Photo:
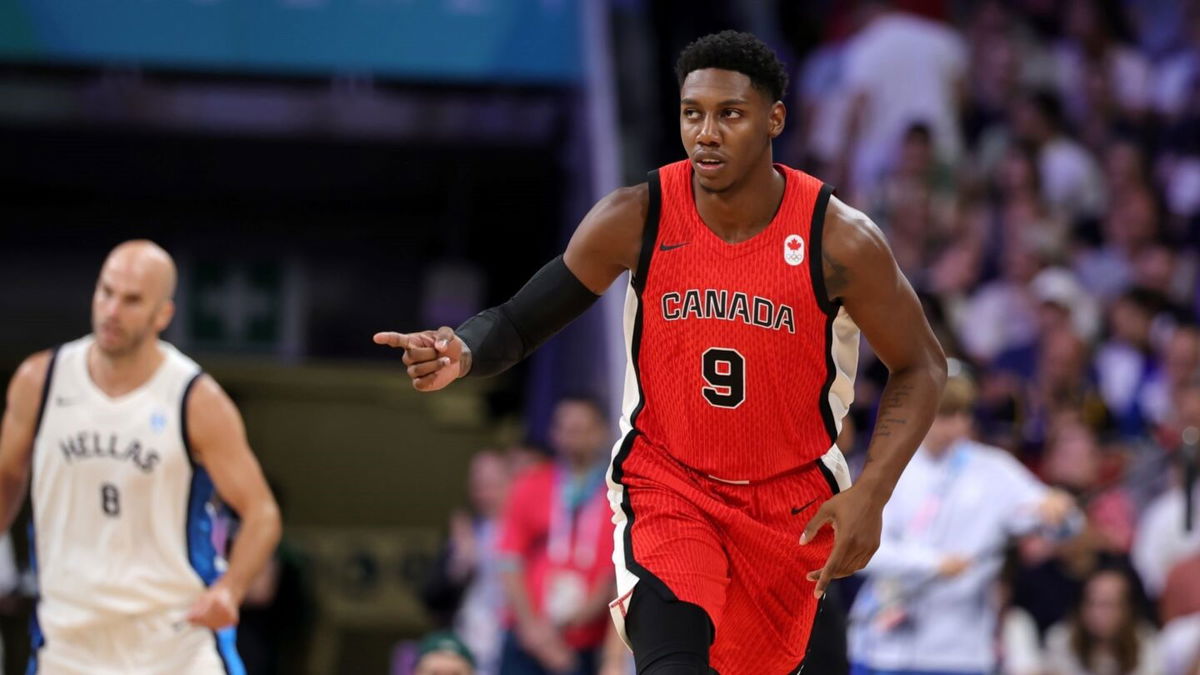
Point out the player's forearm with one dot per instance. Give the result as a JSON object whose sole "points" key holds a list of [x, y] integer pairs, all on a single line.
{"points": [[906, 410], [500, 337], [255, 544]]}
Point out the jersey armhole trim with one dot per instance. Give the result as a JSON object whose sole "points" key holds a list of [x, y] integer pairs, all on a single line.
{"points": [[41, 413], [649, 231], [815, 259], [827, 473], [183, 425]]}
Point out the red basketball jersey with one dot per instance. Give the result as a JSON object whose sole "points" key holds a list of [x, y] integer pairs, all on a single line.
{"points": [[740, 367]]}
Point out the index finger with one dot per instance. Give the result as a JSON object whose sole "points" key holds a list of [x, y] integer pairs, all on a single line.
{"points": [[392, 339], [826, 575]]}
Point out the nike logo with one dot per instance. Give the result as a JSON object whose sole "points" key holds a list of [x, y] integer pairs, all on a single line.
{"points": [[64, 401], [668, 247], [797, 511]]}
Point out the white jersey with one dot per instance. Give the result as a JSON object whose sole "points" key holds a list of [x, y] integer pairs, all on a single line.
{"points": [[122, 517]]}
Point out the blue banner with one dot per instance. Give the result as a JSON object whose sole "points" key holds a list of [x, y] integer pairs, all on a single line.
{"points": [[520, 41]]}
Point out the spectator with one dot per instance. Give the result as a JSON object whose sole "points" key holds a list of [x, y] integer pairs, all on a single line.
{"points": [[1070, 176], [1091, 60], [1019, 214], [1177, 75], [1162, 539], [1159, 268], [1062, 383], [998, 50], [1126, 360], [1020, 647], [1180, 645], [1181, 593], [1125, 170], [1021, 652], [1179, 363], [1002, 315], [1075, 463], [1105, 635], [556, 547], [925, 605], [916, 203], [522, 456], [1129, 228], [885, 99], [442, 653], [465, 590], [1050, 371]]}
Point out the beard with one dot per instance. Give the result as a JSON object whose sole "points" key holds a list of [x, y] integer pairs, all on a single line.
{"points": [[126, 342]]}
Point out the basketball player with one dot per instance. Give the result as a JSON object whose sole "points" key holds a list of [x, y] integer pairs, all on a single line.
{"points": [[749, 285], [126, 440]]}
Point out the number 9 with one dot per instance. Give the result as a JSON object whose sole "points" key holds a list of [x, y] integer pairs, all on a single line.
{"points": [[725, 372]]}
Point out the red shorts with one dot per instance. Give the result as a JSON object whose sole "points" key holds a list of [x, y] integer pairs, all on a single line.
{"points": [[731, 548]]}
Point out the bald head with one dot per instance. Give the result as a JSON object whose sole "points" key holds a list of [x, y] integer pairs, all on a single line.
{"points": [[149, 262], [133, 298]]}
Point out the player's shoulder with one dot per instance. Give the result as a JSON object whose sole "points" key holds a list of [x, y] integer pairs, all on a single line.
{"points": [[625, 206], [203, 389], [205, 401], [849, 230], [852, 245], [611, 233], [210, 415], [30, 377], [177, 359]]}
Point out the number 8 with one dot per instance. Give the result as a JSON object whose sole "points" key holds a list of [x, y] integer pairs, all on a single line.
{"points": [[725, 372], [110, 499]]}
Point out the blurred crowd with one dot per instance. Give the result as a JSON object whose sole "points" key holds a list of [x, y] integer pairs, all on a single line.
{"points": [[1036, 167], [525, 578]]}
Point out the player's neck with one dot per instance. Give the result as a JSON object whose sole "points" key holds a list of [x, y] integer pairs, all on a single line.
{"points": [[744, 209], [117, 375]]}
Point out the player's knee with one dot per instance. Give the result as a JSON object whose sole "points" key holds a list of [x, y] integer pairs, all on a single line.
{"points": [[669, 637]]}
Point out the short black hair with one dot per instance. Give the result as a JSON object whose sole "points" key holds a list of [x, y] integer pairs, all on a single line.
{"points": [[739, 52]]}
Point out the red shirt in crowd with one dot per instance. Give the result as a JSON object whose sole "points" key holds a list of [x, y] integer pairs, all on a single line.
{"points": [[561, 535]]}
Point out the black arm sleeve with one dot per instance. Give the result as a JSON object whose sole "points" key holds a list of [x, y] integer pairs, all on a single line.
{"points": [[502, 336]]}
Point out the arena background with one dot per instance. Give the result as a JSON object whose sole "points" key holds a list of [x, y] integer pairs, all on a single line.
{"points": [[324, 169]]}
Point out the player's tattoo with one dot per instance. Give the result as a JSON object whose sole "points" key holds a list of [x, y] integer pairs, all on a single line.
{"points": [[889, 411], [836, 276]]}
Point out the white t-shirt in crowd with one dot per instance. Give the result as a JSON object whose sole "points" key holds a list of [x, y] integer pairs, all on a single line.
{"points": [[909, 69]]}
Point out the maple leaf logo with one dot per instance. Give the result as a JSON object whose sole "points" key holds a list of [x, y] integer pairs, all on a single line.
{"points": [[794, 244]]}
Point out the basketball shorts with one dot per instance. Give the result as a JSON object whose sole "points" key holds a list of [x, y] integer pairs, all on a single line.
{"points": [[157, 644], [731, 548]]}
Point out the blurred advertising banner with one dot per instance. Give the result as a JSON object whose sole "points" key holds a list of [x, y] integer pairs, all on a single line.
{"points": [[517, 41], [236, 305]]}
